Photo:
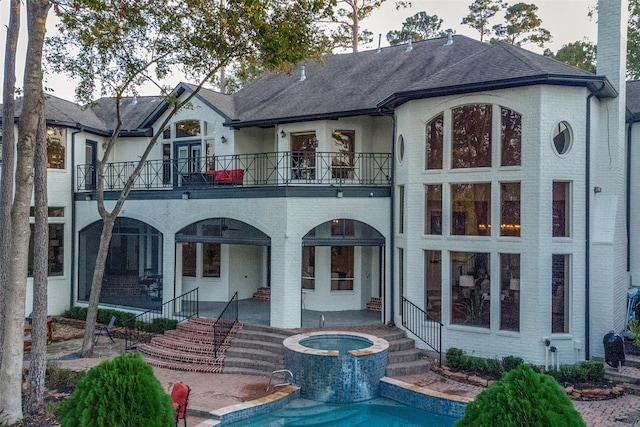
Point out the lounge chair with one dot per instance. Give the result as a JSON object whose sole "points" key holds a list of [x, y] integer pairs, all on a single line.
{"points": [[104, 331], [180, 396]]}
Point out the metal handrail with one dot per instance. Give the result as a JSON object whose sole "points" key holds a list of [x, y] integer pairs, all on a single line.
{"points": [[142, 328], [225, 323], [422, 325], [252, 169], [284, 378]]}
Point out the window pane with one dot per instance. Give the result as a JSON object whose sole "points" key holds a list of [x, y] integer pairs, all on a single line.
{"points": [[510, 209], [55, 262], [211, 260], [433, 284], [308, 267], [511, 137], [303, 156], [189, 259], [471, 136], [342, 227], [470, 289], [560, 209], [510, 292], [342, 149], [434, 143], [401, 209], [342, 268], [187, 128], [433, 209], [55, 148], [166, 133], [52, 212], [559, 288], [471, 209]]}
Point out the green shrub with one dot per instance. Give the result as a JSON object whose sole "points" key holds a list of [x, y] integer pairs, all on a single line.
{"points": [[522, 397], [104, 315], [57, 375], [119, 392], [509, 363], [477, 365], [593, 370], [494, 368], [79, 313], [456, 359], [162, 324]]}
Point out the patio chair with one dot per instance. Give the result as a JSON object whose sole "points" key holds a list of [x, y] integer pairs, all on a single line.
{"points": [[104, 331], [180, 396]]}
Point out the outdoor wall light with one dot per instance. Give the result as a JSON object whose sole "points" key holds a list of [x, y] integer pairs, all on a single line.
{"points": [[315, 142], [185, 195], [340, 194], [87, 197], [223, 139], [283, 134]]}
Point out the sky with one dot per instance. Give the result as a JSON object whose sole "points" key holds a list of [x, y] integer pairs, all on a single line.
{"points": [[567, 21]]}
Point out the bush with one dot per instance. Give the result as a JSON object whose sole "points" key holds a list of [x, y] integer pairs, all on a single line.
{"points": [[119, 392], [104, 315], [594, 370], [474, 364], [522, 397], [494, 368], [588, 370], [455, 359], [161, 324], [509, 363], [57, 375]]}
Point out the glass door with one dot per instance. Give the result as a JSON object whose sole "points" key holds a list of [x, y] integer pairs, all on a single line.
{"points": [[303, 156], [187, 155], [90, 161]]}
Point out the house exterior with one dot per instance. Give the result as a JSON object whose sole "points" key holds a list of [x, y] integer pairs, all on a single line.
{"points": [[488, 186]]}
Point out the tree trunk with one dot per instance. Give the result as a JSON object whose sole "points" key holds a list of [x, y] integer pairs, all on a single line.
{"points": [[7, 154], [96, 285], [38, 364], [11, 369]]}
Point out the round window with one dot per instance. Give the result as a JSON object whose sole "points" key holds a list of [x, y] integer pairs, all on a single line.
{"points": [[400, 148], [562, 137]]}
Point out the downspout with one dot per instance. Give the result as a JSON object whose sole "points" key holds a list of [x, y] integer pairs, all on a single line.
{"points": [[73, 216], [392, 252], [587, 224], [628, 201]]}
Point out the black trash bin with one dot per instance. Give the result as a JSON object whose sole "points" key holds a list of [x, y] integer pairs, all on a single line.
{"points": [[613, 350]]}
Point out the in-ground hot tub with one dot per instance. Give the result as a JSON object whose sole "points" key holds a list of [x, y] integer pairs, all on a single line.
{"points": [[334, 366]]}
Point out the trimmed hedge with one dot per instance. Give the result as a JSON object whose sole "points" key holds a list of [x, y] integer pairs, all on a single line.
{"points": [[119, 392], [104, 315], [522, 397]]}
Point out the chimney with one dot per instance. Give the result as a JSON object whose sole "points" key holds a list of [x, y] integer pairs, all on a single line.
{"points": [[449, 37], [303, 74], [379, 41], [410, 45]]}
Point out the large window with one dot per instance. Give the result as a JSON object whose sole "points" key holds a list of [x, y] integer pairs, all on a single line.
{"points": [[55, 258], [510, 137], [471, 209], [433, 209], [433, 284], [187, 128], [510, 292], [55, 148], [470, 289], [309, 267], [471, 136], [559, 293], [560, 209], [510, 209], [189, 257], [210, 259], [434, 143], [342, 262], [401, 209]]}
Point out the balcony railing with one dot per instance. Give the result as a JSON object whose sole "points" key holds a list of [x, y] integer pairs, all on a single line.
{"points": [[257, 169]]}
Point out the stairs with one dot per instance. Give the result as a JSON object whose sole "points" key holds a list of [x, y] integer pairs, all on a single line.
{"points": [[629, 375], [263, 294], [375, 304], [258, 350]]}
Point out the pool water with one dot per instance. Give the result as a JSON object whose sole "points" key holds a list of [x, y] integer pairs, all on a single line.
{"points": [[377, 412], [340, 343]]}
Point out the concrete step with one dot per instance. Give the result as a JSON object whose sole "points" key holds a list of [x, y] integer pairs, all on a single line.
{"points": [[246, 371], [269, 329], [401, 344], [259, 365], [247, 334], [259, 345], [254, 355], [403, 356], [408, 368]]}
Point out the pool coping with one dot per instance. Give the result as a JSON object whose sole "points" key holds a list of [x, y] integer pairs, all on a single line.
{"points": [[399, 391], [377, 344]]}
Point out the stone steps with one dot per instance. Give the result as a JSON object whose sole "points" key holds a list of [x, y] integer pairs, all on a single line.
{"points": [[375, 304], [262, 294]]}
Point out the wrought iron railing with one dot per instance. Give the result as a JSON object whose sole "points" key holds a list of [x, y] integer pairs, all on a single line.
{"points": [[224, 324], [153, 322], [423, 326], [256, 169]]}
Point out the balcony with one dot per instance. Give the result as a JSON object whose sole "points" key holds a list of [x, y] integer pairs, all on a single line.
{"points": [[290, 168]]}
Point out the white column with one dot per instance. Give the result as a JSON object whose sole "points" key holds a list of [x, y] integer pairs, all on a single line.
{"points": [[286, 259]]}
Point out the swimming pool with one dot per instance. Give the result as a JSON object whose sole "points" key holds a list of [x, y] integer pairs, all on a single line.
{"points": [[379, 412]]}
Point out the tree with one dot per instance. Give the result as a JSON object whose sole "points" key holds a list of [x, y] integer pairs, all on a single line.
{"points": [[11, 369], [350, 13], [7, 154], [633, 40], [522, 397], [480, 12], [112, 47], [581, 54], [523, 26], [417, 27]]}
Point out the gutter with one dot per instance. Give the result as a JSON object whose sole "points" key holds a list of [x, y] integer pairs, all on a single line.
{"points": [[628, 195], [275, 121], [587, 226]]}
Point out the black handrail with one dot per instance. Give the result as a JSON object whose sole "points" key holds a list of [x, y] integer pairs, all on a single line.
{"points": [[252, 170], [224, 323], [422, 325], [145, 325]]}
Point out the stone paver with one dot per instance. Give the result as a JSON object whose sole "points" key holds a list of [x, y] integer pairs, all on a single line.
{"points": [[214, 391]]}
